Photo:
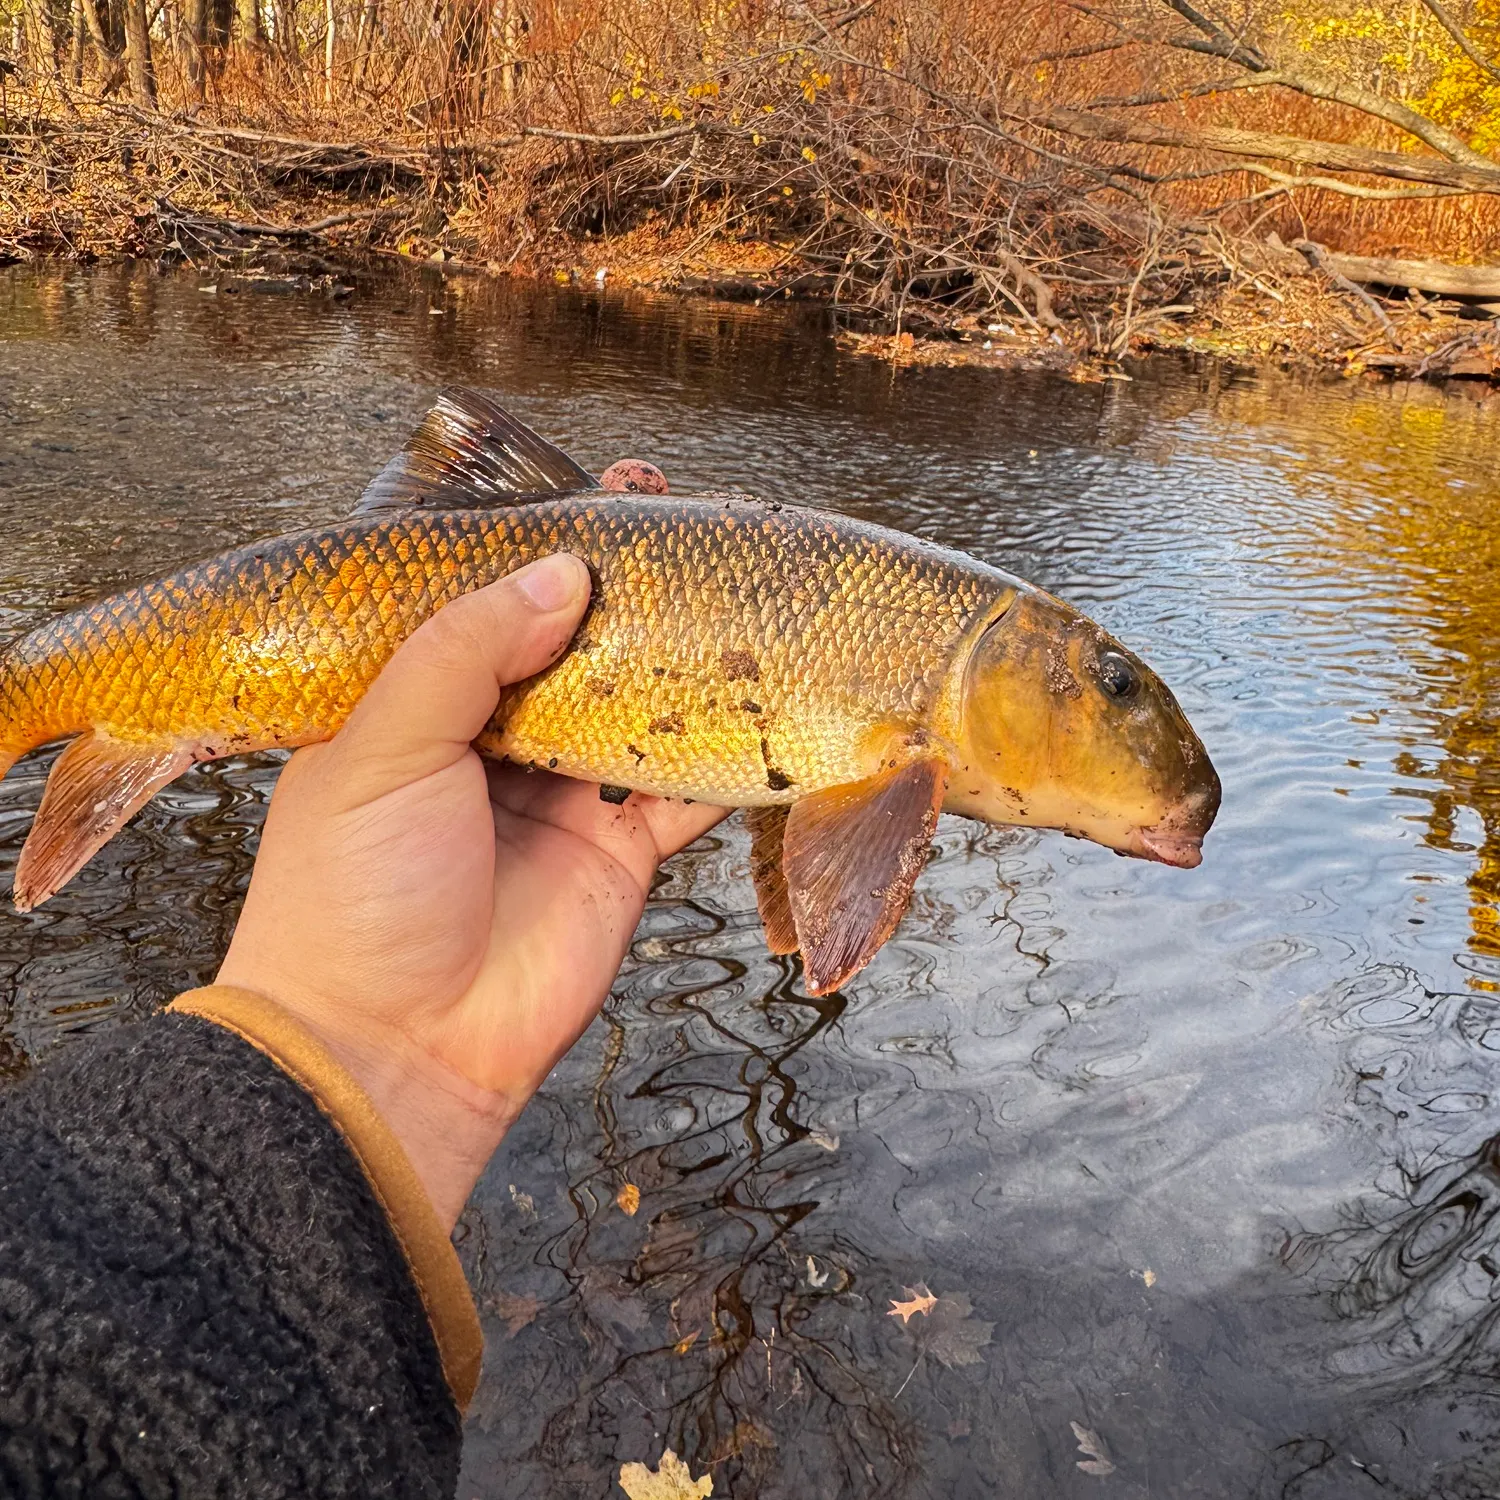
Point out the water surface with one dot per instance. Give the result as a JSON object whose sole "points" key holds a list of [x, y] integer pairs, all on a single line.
{"points": [[1206, 1163]]}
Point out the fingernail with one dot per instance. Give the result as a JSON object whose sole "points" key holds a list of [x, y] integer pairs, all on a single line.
{"points": [[553, 583]]}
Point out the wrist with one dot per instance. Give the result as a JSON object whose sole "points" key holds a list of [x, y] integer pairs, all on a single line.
{"points": [[448, 1126]]}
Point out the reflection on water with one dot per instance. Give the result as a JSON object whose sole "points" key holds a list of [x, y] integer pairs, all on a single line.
{"points": [[1202, 1166]]}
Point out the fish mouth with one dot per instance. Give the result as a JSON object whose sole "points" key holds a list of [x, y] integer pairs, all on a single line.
{"points": [[1170, 847]]}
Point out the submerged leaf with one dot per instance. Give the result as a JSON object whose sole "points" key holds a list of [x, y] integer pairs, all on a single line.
{"points": [[919, 1300], [1097, 1460], [515, 1312], [953, 1335], [673, 1480]]}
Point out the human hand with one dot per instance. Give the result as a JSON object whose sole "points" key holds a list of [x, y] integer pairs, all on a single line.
{"points": [[448, 926]]}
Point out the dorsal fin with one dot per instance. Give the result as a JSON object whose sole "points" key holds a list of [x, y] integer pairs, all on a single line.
{"points": [[469, 451]]}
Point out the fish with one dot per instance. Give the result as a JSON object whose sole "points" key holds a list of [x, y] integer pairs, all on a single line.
{"points": [[842, 682]]}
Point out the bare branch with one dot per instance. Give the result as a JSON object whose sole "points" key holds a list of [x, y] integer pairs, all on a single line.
{"points": [[1446, 21], [1332, 156]]}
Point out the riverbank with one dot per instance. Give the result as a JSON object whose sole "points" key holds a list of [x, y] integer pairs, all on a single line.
{"points": [[104, 181]]}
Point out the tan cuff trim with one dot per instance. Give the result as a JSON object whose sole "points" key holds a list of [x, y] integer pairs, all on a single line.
{"points": [[429, 1252]]}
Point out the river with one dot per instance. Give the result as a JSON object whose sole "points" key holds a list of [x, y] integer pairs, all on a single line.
{"points": [[1204, 1166]]}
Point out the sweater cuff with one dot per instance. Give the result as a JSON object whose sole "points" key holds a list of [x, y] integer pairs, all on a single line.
{"points": [[429, 1252]]}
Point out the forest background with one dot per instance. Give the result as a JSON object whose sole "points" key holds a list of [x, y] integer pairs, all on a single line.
{"points": [[1310, 176]]}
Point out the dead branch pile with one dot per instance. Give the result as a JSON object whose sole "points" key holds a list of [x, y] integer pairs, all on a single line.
{"points": [[1097, 168]]}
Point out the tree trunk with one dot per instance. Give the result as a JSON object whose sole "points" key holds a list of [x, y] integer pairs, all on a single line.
{"points": [[252, 34], [101, 34], [196, 25], [138, 54], [328, 44], [364, 41], [43, 38], [80, 42]]}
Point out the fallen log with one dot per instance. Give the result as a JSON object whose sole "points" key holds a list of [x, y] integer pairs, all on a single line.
{"points": [[1421, 275], [1330, 156], [1479, 283]]}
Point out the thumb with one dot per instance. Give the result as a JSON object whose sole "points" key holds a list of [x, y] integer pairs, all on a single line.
{"points": [[441, 686]]}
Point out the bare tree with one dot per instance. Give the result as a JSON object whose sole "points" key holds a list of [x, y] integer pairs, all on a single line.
{"points": [[138, 54]]}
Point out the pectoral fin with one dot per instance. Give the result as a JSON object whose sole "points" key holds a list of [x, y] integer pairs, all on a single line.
{"points": [[767, 827], [96, 787], [851, 856], [467, 453]]}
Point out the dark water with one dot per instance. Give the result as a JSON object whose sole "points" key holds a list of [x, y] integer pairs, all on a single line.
{"points": [[1213, 1158]]}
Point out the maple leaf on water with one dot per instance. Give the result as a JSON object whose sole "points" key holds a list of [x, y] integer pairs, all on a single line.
{"points": [[919, 1300], [673, 1480]]}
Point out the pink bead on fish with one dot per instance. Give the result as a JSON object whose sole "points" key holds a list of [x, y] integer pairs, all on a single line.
{"points": [[634, 476]]}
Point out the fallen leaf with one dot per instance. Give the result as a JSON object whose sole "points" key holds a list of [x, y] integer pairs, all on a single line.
{"points": [[1096, 1460], [824, 1139], [673, 1480], [629, 1199], [816, 1277], [920, 1301], [684, 1344], [1149, 1276], [515, 1312], [952, 1334], [523, 1201]]}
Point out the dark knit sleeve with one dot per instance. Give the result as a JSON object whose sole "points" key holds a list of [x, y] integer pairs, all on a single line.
{"points": [[200, 1294]]}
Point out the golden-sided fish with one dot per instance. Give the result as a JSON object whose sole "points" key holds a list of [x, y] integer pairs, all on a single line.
{"points": [[843, 681]]}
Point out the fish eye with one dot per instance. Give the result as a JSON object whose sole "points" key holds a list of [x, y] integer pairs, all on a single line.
{"points": [[1116, 676]]}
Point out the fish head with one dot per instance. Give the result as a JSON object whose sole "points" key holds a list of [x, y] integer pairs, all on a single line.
{"points": [[1062, 727]]}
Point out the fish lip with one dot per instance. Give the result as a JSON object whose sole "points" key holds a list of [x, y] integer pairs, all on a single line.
{"points": [[1183, 850]]}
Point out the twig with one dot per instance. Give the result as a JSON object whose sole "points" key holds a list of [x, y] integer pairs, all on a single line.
{"points": [[1317, 258]]}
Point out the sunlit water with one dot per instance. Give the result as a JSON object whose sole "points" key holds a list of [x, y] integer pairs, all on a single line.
{"points": [[1206, 1163]]}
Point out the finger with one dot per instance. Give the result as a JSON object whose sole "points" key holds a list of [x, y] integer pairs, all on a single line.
{"points": [[638, 833], [440, 688], [674, 825]]}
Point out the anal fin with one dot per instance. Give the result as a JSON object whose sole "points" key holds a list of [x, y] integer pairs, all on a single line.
{"points": [[851, 855], [97, 785], [767, 827]]}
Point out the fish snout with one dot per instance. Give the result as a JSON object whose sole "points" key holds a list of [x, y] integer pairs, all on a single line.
{"points": [[1177, 839], [1184, 850]]}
